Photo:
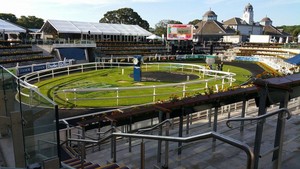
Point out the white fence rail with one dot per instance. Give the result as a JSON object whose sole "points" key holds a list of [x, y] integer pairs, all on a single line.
{"points": [[70, 95]]}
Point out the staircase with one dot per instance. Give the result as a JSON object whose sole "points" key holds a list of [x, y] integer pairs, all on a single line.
{"points": [[75, 163]]}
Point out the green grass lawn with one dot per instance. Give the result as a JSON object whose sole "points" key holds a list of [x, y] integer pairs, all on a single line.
{"points": [[112, 78]]}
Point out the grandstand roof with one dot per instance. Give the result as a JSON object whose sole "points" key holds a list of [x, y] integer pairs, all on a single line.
{"points": [[76, 27], [10, 27]]}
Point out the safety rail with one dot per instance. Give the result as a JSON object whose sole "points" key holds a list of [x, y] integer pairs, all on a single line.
{"points": [[70, 95], [28, 86], [140, 131], [279, 134], [261, 117], [231, 141]]}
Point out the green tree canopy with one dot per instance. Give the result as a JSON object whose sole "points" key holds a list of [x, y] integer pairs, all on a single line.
{"points": [[293, 30], [161, 26], [31, 22], [296, 32], [125, 16], [194, 22], [8, 17]]}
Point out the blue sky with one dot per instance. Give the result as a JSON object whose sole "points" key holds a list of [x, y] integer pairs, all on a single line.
{"points": [[282, 12]]}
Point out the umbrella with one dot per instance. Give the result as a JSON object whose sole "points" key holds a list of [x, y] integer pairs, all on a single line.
{"points": [[294, 60]]}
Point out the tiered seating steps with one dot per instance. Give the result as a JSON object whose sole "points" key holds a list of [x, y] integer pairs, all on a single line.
{"points": [[75, 163], [130, 48], [19, 53]]}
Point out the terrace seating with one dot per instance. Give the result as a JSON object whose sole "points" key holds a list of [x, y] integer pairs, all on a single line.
{"points": [[12, 52], [130, 48]]}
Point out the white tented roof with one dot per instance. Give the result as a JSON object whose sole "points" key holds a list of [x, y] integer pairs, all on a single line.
{"points": [[95, 28], [9, 27]]}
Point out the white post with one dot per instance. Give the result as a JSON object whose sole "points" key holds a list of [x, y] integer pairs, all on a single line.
{"points": [[117, 96], [154, 93], [223, 83], [122, 71], [183, 90]]}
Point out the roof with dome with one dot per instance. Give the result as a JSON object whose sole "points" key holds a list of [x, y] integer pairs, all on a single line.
{"points": [[209, 13], [266, 19]]}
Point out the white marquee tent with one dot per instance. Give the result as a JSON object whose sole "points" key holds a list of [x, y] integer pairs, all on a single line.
{"points": [[76, 27], [8, 27]]}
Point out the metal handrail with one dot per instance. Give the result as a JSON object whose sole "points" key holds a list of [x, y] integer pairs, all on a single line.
{"points": [[154, 127], [29, 86], [264, 116], [226, 139]]}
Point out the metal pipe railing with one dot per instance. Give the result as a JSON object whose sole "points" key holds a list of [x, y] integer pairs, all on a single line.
{"points": [[261, 117], [154, 127], [231, 141]]}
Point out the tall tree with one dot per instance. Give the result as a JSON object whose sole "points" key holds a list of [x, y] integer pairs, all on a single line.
{"points": [[293, 30], [30, 22], [161, 26], [194, 22], [8, 17], [125, 16]]}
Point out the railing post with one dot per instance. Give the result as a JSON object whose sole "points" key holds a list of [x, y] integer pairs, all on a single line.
{"points": [[142, 154], [262, 109], [279, 137], [130, 128], [83, 144], [187, 123], [160, 119], [209, 117], [113, 142], [114, 148], [215, 127], [167, 142], [243, 115], [180, 129]]}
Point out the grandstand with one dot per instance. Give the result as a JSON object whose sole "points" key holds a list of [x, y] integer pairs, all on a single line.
{"points": [[13, 53], [271, 56]]}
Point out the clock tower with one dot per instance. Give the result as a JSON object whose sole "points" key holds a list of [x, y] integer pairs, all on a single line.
{"points": [[248, 14]]}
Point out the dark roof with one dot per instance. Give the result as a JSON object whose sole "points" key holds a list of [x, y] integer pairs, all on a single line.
{"points": [[271, 30], [210, 13], [266, 19], [212, 28], [235, 21]]}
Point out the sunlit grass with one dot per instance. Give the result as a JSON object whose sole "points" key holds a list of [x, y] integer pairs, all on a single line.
{"points": [[112, 78]]}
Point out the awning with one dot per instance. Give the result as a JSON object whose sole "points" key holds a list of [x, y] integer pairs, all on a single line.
{"points": [[294, 60]]}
